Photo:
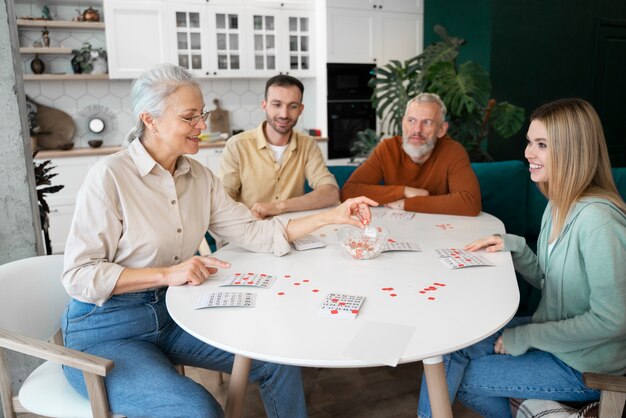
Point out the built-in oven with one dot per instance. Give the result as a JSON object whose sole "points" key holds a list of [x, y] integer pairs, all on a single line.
{"points": [[349, 106], [345, 119]]}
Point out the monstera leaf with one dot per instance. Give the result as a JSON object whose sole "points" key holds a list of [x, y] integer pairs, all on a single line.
{"points": [[446, 50], [392, 90], [463, 91], [507, 119]]}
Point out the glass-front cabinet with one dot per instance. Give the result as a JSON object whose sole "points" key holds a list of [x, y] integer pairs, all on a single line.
{"points": [[218, 41], [281, 42], [207, 40], [264, 40], [189, 40], [299, 44]]}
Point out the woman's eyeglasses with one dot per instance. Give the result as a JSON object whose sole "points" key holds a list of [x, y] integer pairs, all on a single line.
{"points": [[194, 120]]}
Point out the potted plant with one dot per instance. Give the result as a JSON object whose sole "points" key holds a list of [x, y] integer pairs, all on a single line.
{"points": [[464, 88], [43, 175], [89, 60]]}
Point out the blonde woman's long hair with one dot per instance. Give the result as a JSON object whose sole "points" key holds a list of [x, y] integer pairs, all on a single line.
{"points": [[579, 159]]}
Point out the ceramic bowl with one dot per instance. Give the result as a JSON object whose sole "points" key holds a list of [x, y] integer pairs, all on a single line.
{"points": [[363, 244], [95, 143]]}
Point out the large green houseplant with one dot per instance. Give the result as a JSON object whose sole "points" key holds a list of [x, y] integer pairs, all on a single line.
{"points": [[464, 88]]}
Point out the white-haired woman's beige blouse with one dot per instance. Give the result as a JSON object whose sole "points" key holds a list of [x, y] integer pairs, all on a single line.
{"points": [[131, 212]]}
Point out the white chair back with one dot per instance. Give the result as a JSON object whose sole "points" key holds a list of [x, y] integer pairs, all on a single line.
{"points": [[32, 297]]}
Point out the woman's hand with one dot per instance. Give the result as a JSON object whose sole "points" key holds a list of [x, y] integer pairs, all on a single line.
{"points": [[357, 207], [491, 244], [193, 271], [498, 347]]}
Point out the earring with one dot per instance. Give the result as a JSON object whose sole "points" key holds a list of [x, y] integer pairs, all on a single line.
{"points": [[154, 131]]}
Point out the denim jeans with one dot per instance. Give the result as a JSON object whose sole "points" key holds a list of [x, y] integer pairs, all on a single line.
{"points": [[484, 381], [137, 333]]}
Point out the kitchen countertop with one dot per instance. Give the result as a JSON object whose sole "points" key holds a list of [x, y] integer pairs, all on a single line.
{"points": [[82, 152]]}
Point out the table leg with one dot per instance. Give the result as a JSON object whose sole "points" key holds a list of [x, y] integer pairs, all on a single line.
{"points": [[437, 387], [237, 386]]}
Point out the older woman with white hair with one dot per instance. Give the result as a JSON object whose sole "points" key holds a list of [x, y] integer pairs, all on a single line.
{"points": [[140, 218]]}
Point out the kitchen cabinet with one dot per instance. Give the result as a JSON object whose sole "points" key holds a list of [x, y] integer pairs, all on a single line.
{"points": [[206, 39], [71, 173], [210, 157], [211, 39], [135, 36], [374, 31], [283, 4], [282, 42]]}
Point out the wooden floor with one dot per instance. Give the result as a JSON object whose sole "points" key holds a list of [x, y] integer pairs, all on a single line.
{"points": [[377, 392]]}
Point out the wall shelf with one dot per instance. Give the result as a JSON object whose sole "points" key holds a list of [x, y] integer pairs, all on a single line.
{"points": [[50, 77], [45, 50], [59, 24]]}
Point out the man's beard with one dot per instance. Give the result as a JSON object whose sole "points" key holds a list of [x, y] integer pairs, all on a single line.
{"points": [[417, 152], [282, 130]]}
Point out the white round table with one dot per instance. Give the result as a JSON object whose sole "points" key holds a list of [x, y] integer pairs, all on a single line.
{"points": [[286, 328]]}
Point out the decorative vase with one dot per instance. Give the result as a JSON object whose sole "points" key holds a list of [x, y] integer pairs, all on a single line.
{"points": [[37, 65], [99, 66], [76, 66]]}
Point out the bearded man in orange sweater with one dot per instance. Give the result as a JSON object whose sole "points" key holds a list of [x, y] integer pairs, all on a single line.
{"points": [[424, 170]]}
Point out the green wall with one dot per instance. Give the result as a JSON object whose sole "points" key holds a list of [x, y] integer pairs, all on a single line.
{"points": [[469, 20], [541, 50]]}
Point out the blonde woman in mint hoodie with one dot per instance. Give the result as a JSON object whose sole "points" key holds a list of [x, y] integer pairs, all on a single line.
{"points": [[580, 323]]}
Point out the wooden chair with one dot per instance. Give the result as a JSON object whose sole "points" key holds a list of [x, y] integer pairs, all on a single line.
{"points": [[32, 301], [612, 393]]}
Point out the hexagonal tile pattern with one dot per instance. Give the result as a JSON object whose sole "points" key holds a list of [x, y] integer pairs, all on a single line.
{"points": [[250, 99], [98, 88], [75, 88], [221, 87], [256, 116], [239, 119], [230, 100], [52, 89], [66, 104], [114, 104], [124, 124], [239, 85], [32, 88], [86, 100], [120, 88]]}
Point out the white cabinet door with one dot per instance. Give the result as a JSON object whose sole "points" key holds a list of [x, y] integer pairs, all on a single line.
{"points": [[209, 157], [60, 219], [227, 42], [402, 6], [188, 37], [205, 39], [300, 42], [283, 4], [135, 36], [71, 173], [399, 37], [359, 36], [351, 37], [281, 41]]}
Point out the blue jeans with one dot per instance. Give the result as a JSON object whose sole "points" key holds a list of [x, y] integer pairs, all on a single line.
{"points": [[137, 333], [484, 381]]}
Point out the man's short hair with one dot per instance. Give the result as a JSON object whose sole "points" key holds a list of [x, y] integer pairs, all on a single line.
{"points": [[284, 80], [429, 98]]}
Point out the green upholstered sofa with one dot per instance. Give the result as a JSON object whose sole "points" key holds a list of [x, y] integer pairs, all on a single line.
{"points": [[508, 193]]}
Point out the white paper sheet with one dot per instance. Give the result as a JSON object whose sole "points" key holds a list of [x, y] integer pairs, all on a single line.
{"points": [[380, 342]]}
